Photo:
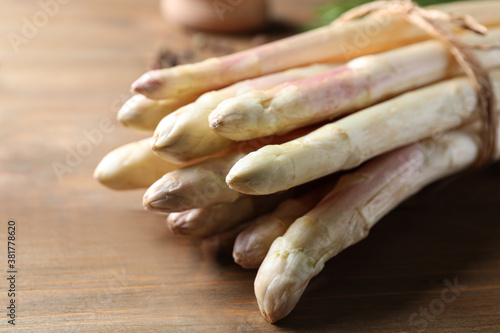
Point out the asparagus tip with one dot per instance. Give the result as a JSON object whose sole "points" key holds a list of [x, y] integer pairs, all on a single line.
{"points": [[175, 222], [97, 174], [107, 175], [163, 137], [147, 83], [258, 172], [133, 109], [167, 203], [267, 317], [180, 228], [161, 142], [239, 117], [230, 125], [162, 196], [216, 123], [244, 261], [154, 205], [281, 280], [239, 184]]}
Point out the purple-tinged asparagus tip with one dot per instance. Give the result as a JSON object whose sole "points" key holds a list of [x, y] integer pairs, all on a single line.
{"points": [[268, 318], [178, 223], [244, 260], [154, 205], [147, 83], [216, 123]]}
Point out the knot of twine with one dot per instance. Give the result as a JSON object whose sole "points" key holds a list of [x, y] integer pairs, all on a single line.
{"points": [[433, 22]]}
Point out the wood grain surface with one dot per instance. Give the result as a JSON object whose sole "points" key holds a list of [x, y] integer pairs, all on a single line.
{"points": [[92, 260]]}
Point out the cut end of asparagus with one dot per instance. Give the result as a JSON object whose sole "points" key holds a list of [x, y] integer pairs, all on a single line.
{"points": [[240, 118], [148, 84]]}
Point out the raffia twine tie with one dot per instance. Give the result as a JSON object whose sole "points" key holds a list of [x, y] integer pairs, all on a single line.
{"points": [[433, 22]]}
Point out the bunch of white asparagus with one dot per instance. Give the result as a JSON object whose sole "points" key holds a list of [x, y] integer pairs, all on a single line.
{"points": [[234, 137]]}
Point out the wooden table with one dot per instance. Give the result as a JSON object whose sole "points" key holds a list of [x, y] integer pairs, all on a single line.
{"points": [[92, 260]]}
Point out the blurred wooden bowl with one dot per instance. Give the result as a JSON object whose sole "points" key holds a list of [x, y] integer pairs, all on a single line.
{"points": [[216, 15]]}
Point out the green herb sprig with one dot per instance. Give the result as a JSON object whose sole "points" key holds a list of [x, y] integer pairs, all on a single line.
{"points": [[330, 11]]}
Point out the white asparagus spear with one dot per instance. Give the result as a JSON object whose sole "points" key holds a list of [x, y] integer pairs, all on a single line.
{"points": [[196, 186], [204, 183], [132, 166], [336, 43], [216, 219], [185, 134], [347, 143], [143, 114], [358, 84], [346, 215], [253, 243]]}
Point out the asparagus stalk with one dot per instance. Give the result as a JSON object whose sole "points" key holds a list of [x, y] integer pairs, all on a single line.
{"points": [[185, 134], [204, 184], [346, 143], [216, 219], [197, 186], [132, 166], [143, 114], [358, 84], [333, 42], [253, 243], [345, 216]]}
